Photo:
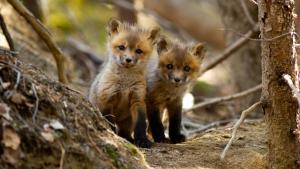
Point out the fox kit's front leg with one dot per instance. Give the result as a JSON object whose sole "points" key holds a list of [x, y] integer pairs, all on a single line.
{"points": [[138, 110], [155, 123], [174, 112]]}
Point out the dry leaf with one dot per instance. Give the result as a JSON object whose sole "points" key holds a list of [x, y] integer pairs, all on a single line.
{"points": [[18, 98], [56, 125], [10, 138], [5, 85], [48, 136], [11, 156], [4, 111]]}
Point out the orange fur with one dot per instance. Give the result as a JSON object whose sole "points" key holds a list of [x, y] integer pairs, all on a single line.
{"points": [[119, 90], [170, 75]]}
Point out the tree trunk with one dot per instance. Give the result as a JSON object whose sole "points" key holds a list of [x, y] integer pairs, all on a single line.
{"points": [[244, 66], [297, 3], [278, 58]]}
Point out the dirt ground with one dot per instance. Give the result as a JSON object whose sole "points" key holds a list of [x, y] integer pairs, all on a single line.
{"points": [[203, 151]]}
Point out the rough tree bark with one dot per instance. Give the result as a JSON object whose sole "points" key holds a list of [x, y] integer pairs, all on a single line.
{"points": [[244, 66], [297, 7], [278, 58]]}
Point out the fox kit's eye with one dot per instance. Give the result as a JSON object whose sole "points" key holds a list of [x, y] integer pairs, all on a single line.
{"points": [[138, 51], [121, 47], [169, 66], [186, 68]]}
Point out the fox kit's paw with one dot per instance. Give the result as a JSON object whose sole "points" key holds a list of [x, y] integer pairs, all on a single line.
{"points": [[143, 142], [178, 139]]}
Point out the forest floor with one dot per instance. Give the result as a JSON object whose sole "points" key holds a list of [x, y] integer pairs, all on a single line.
{"points": [[203, 151]]}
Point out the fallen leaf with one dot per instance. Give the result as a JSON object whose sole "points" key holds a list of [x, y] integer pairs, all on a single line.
{"points": [[10, 138], [18, 98], [5, 85], [30, 105], [56, 125], [4, 111], [11, 156], [48, 136]]}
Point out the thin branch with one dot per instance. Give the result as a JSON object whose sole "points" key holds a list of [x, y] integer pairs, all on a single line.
{"points": [[253, 1], [226, 98], [247, 13], [230, 50], [37, 100], [237, 125], [8, 52], [18, 79], [192, 132], [45, 36], [7, 35], [295, 90], [63, 152]]}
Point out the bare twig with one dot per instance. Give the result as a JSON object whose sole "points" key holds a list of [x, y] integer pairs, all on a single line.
{"points": [[261, 40], [37, 100], [226, 98], [91, 140], [188, 123], [7, 35], [18, 79], [237, 125], [229, 50], [45, 36], [209, 126], [247, 13], [295, 90], [253, 1], [4, 51], [63, 152]]}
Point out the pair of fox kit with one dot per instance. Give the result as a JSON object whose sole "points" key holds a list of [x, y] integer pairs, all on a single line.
{"points": [[134, 85]]}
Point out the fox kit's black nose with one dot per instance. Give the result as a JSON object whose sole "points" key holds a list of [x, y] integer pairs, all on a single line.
{"points": [[128, 60], [177, 80]]}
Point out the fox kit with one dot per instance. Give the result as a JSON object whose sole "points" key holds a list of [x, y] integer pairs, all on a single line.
{"points": [[119, 90], [167, 81]]}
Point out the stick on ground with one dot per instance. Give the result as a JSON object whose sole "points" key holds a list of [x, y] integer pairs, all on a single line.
{"points": [[42, 32], [226, 98], [237, 125]]}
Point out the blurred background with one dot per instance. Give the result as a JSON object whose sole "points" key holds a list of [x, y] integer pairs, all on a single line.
{"points": [[79, 27]]}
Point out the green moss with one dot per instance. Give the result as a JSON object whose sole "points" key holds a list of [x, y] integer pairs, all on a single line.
{"points": [[132, 149], [110, 150]]}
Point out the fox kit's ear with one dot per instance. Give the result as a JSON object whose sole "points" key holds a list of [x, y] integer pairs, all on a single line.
{"points": [[198, 50], [154, 33], [113, 26], [161, 45]]}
